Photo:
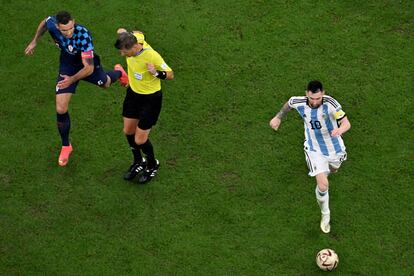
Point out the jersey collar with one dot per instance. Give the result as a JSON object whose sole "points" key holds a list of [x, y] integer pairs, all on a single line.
{"points": [[140, 52]]}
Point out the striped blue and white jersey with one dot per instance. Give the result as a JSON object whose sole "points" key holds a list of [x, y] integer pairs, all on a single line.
{"points": [[319, 123]]}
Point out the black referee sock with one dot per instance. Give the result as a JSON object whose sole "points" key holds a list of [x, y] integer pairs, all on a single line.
{"points": [[63, 125], [148, 150], [114, 75], [134, 148]]}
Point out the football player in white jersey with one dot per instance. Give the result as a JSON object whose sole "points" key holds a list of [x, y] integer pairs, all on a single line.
{"points": [[324, 122]]}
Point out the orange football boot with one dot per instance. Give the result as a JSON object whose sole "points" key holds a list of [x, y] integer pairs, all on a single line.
{"points": [[123, 80], [64, 155]]}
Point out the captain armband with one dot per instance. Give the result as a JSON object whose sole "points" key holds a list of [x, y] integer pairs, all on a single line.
{"points": [[339, 114], [88, 54], [162, 75]]}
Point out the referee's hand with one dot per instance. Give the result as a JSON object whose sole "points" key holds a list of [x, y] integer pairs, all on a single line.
{"points": [[151, 68]]}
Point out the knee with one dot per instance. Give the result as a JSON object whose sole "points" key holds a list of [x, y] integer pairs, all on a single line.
{"points": [[62, 103], [140, 140], [107, 83], [323, 186], [61, 109], [128, 131], [322, 182]]}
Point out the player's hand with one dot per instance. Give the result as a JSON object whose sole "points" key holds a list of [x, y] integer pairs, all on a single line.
{"points": [[274, 123], [151, 68], [30, 48], [336, 132], [65, 83]]}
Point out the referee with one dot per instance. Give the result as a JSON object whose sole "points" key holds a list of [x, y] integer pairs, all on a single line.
{"points": [[143, 100]]}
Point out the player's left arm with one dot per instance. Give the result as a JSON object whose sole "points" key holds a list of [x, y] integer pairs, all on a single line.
{"points": [[344, 124], [88, 67]]}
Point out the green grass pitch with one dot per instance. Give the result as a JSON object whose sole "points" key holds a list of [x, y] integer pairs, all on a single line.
{"points": [[232, 197]]}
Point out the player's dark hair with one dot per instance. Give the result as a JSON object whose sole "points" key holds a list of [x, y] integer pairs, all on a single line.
{"points": [[63, 17], [315, 86], [125, 40]]}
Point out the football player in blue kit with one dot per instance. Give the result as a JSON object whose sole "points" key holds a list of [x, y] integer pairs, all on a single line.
{"points": [[78, 61]]}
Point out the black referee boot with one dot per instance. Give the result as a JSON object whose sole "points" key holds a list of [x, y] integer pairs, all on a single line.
{"points": [[149, 173], [135, 169]]}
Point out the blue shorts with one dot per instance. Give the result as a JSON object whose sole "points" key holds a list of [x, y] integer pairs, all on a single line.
{"points": [[98, 76]]}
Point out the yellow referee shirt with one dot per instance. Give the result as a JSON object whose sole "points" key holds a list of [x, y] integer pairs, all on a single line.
{"points": [[140, 79]]}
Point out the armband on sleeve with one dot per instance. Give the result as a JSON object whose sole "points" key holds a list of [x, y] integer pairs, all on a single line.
{"points": [[88, 54], [162, 75], [339, 114]]}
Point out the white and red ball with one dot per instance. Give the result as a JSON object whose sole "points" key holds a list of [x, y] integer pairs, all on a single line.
{"points": [[327, 259]]}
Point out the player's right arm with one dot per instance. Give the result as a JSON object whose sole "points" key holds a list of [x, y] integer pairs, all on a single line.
{"points": [[275, 122], [41, 29]]}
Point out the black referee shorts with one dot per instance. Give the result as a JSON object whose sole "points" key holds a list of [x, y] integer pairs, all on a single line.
{"points": [[144, 107]]}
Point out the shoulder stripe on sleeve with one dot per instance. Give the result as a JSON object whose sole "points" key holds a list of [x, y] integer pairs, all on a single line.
{"points": [[296, 100], [299, 100], [333, 102]]}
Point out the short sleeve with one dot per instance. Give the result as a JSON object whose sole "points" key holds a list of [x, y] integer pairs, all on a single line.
{"points": [[336, 108], [51, 27], [84, 40], [290, 102], [340, 114], [295, 101], [160, 64], [50, 23]]}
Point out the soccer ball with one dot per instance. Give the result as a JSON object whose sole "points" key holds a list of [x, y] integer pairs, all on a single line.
{"points": [[327, 259]]}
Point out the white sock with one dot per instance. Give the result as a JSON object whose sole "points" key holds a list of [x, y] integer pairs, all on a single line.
{"points": [[323, 201]]}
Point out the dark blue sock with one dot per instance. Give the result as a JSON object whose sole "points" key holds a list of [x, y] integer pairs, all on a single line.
{"points": [[63, 124], [114, 75]]}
